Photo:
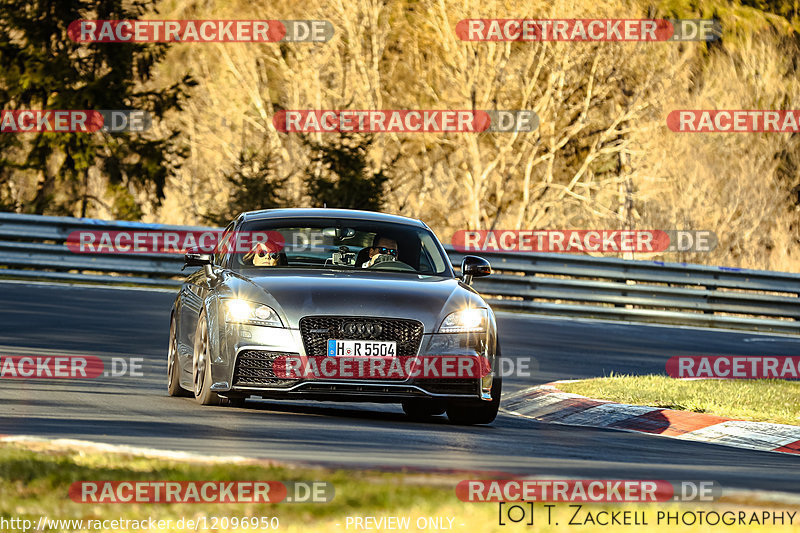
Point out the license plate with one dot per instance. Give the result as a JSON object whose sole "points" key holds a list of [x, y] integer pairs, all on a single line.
{"points": [[348, 348]]}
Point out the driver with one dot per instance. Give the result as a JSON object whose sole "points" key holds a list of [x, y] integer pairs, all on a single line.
{"points": [[382, 249]]}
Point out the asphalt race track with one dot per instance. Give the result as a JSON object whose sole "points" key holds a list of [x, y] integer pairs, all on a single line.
{"points": [[42, 319]]}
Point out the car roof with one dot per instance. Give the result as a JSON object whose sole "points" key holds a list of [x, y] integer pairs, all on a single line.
{"points": [[318, 212]]}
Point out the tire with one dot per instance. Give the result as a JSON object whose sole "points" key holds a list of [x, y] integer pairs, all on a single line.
{"points": [[173, 367], [201, 366], [481, 411], [423, 409]]}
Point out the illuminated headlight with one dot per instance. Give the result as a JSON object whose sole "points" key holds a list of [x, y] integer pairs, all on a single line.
{"points": [[244, 312], [466, 320]]}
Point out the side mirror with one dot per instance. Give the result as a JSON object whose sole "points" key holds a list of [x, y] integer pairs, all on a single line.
{"points": [[473, 266], [193, 258]]}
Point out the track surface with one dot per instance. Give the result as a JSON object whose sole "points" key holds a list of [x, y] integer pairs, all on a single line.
{"points": [[59, 319]]}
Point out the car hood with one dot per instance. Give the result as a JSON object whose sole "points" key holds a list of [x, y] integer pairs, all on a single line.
{"points": [[295, 294]]}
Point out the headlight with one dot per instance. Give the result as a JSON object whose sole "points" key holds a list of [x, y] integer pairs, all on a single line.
{"points": [[466, 320], [244, 312]]}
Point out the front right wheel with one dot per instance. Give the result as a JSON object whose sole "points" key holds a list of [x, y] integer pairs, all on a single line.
{"points": [[201, 366], [173, 366]]}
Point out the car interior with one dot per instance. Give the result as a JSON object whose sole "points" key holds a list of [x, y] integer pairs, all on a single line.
{"points": [[342, 247]]}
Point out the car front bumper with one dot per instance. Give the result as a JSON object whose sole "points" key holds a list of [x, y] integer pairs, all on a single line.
{"points": [[252, 347]]}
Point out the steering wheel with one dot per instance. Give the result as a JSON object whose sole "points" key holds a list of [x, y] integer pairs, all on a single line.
{"points": [[392, 265]]}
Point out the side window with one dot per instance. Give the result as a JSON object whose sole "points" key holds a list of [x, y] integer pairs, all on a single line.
{"points": [[223, 245], [430, 259], [425, 261]]}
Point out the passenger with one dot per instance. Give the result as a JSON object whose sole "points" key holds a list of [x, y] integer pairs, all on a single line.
{"points": [[265, 254]]}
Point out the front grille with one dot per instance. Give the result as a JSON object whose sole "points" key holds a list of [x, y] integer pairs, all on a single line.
{"points": [[254, 369], [367, 390], [316, 330], [449, 386]]}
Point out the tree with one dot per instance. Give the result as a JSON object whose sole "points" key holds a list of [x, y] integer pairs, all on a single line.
{"points": [[41, 68], [339, 174], [253, 185]]}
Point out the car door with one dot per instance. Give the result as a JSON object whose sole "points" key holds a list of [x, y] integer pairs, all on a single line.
{"points": [[193, 294]]}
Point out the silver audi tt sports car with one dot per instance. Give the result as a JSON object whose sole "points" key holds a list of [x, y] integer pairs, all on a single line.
{"points": [[335, 304]]}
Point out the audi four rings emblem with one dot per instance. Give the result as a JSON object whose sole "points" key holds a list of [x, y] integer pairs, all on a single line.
{"points": [[362, 329]]}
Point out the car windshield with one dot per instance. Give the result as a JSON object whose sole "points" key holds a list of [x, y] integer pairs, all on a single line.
{"points": [[340, 245]]}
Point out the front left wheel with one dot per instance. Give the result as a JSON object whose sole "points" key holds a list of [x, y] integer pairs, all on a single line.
{"points": [[423, 409], [481, 411]]}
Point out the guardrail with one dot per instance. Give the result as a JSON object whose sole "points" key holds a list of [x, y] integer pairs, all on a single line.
{"points": [[32, 247]]}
